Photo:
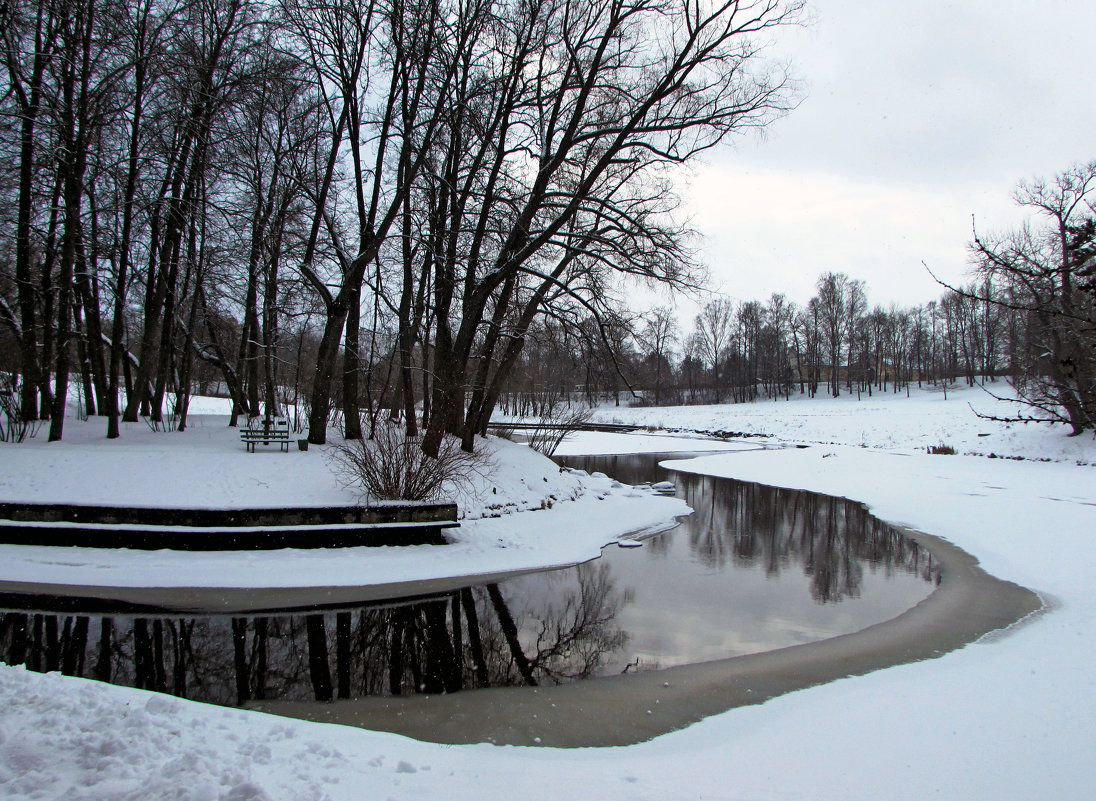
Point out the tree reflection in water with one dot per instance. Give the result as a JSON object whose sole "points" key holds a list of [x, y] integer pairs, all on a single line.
{"points": [[830, 539], [467, 639], [555, 627], [752, 525]]}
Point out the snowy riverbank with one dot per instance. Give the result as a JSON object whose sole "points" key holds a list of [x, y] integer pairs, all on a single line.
{"points": [[1005, 718], [520, 512], [885, 420]]}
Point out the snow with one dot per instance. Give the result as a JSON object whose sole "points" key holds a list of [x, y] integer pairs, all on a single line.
{"points": [[1009, 717], [928, 417], [207, 467]]}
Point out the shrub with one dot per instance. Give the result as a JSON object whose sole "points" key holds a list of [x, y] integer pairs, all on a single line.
{"points": [[550, 430], [13, 426], [392, 466], [941, 450]]}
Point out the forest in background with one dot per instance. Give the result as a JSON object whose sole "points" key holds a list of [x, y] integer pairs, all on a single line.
{"points": [[255, 186], [428, 209]]}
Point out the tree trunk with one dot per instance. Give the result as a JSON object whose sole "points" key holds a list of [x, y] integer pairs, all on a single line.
{"points": [[239, 660], [103, 661], [28, 323], [327, 353], [118, 331], [475, 643], [342, 652], [319, 668], [73, 191], [510, 631], [351, 384]]}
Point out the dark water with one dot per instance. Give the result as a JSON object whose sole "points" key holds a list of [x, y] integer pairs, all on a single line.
{"points": [[753, 569]]}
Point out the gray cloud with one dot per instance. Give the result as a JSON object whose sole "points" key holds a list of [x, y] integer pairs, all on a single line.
{"points": [[917, 116]]}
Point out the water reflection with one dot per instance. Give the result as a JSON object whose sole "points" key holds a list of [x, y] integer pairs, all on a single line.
{"points": [[832, 540], [469, 638], [752, 569]]}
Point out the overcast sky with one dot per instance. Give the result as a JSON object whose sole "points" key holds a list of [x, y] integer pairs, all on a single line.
{"points": [[915, 117]]}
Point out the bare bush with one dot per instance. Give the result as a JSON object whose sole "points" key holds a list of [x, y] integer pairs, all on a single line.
{"points": [[551, 429], [14, 427], [392, 465]]}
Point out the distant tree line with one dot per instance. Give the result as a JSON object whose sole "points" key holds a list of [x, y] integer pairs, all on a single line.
{"points": [[352, 207], [1028, 315], [739, 352]]}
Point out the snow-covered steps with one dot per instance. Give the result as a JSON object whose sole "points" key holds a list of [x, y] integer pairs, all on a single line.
{"points": [[149, 528]]}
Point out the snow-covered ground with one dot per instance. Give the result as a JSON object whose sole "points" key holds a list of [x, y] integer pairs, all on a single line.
{"points": [[1009, 717], [208, 467], [928, 417]]}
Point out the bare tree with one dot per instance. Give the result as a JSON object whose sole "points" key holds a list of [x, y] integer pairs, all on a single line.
{"points": [[590, 99], [714, 328], [833, 314], [29, 46], [361, 53], [1047, 270], [657, 337], [779, 322]]}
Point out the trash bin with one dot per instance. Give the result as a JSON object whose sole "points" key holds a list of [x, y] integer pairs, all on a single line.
{"points": [[302, 444]]}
